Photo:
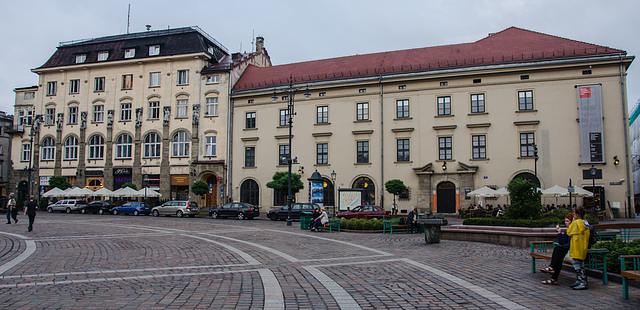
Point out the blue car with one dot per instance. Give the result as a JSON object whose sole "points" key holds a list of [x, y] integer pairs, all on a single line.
{"points": [[135, 208]]}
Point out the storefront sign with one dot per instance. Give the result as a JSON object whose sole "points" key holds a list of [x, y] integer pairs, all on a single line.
{"points": [[180, 180], [44, 181], [121, 171], [591, 124]]}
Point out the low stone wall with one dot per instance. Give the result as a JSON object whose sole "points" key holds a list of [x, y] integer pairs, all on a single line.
{"points": [[510, 236]]}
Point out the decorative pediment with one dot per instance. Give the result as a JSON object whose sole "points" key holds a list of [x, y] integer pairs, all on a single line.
{"points": [[462, 167], [426, 169]]}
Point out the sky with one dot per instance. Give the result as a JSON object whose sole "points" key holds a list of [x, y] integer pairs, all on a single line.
{"points": [[298, 30]]}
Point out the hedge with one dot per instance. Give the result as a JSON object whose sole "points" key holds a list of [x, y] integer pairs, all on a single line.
{"points": [[491, 221], [616, 248], [361, 224]]}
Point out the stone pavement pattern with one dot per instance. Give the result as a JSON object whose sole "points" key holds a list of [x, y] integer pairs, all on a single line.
{"points": [[114, 262]]}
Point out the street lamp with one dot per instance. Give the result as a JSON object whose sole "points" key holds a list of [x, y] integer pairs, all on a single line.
{"points": [[35, 127], [290, 112], [535, 160], [333, 181]]}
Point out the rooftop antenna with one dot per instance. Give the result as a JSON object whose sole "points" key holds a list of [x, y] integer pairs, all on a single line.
{"points": [[240, 46], [253, 37], [148, 27], [128, 17]]}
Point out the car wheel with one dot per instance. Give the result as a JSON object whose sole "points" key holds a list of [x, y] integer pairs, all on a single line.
{"points": [[136, 212], [101, 212], [179, 213], [241, 216], [68, 210], [83, 211], [214, 215], [156, 213], [50, 210], [115, 212]]}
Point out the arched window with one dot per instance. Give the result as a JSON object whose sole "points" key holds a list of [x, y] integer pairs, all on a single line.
{"points": [[123, 146], [152, 145], [48, 148], [71, 148], [180, 144], [528, 176], [369, 189], [96, 147], [250, 192]]}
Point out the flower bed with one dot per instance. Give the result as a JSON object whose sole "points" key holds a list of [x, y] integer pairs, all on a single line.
{"points": [[616, 248]]}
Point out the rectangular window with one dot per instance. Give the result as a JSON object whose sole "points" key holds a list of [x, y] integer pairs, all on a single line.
{"points": [[182, 107], [444, 105], [527, 142], [98, 84], [102, 56], [130, 53], [73, 115], [26, 152], [362, 152], [477, 103], [81, 58], [402, 147], [525, 100], [154, 79], [50, 116], [98, 113], [183, 77], [127, 81], [74, 86], [154, 109], [284, 118], [322, 153], [154, 50], [210, 146], [250, 120], [445, 148], [125, 111], [51, 88], [479, 146], [250, 156], [322, 115], [402, 108], [212, 106], [213, 79], [362, 111], [283, 154]]}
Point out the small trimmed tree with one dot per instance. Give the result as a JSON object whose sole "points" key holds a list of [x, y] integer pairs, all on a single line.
{"points": [[199, 188], [279, 182], [59, 182], [130, 185], [525, 200], [395, 187]]}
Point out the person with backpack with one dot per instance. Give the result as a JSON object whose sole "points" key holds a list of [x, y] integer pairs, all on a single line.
{"points": [[559, 252], [12, 209], [578, 248], [30, 211]]}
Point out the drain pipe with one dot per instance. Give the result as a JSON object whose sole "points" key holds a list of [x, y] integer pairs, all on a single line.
{"points": [[625, 128], [381, 142], [229, 190]]}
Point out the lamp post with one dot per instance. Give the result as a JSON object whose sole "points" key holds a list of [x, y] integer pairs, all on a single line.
{"points": [[535, 160], [290, 113], [333, 181], [35, 127]]}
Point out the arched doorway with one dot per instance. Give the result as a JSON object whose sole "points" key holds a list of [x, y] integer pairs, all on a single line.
{"points": [[250, 192], [446, 197], [329, 193], [211, 197], [528, 176], [94, 183], [369, 193], [23, 188]]}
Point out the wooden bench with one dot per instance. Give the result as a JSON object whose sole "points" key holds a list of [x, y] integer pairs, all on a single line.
{"points": [[633, 274], [596, 258]]}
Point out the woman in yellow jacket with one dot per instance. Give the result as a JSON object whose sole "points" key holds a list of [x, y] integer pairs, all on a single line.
{"points": [[578, 231]]}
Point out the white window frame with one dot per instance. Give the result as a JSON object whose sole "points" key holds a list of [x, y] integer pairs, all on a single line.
{"points": [[152, 146], [98, 113], [52, 88], [50, 118], [48, 149], [99, 81], [154, 109], [182, 77], [211, 106], [129, 53], [210, 149], [81, 58], [124, 81], [71, 148], [124, 146], [74, 86], [154, 79], [154, 50], [102, 56], [72, 118], [182, 108], [213, 79], [25, 155], [362, 111], [125, 111], [96, 148], [180, 144]]}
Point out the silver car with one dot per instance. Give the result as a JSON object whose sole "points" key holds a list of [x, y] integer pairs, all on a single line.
{"points": [[178, 208], [67, 205]]}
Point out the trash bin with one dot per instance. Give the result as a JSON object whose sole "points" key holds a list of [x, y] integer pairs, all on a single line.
{"points": [[431, 228]]}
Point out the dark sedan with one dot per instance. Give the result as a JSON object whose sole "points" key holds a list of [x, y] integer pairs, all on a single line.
{"points": [[239, 210], [132, 208], [366, 211], [97, 207], [280, 214]]}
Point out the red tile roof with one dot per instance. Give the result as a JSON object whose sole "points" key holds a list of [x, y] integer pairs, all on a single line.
{"points": [[512, 45]]}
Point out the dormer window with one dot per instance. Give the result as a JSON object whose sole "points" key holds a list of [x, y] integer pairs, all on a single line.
{"points": [[210, 50], [81, 58], [213, 79], [102, 56], [130, 53], [154, 50]]}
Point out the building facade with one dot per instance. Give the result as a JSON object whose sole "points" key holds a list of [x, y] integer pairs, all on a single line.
{"points": [[149, 108], [6, 129], [445, 120]]}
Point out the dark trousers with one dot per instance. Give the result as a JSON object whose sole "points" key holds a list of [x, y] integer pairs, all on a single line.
{"points": [[32, 217], [12, 214], [557, 258]]}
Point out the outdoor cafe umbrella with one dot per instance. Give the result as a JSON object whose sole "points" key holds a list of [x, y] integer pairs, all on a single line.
{"points": [[79, 192], [483, 192], [555, 191], [126, 192], [54, 192], [149, 193], [579, 191], [104, 192]]}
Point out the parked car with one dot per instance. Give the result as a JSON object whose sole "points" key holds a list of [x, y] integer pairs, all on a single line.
{"points": [[134, 208], [97, 207], [67, 205], [239, 210], [365, 211], [280, 214], [178, 208]]}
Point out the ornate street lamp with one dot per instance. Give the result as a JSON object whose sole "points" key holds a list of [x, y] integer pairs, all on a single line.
{"points": [[35, 128], [335, 201]]}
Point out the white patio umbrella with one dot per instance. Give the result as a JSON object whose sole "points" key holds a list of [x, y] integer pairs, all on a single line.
{"points": [[103, 192], [66, 192], [79, 192], [126, 192], [502, 191], [555, 191], [54, 192], [149, 193], [483, 192], [581, 192]]}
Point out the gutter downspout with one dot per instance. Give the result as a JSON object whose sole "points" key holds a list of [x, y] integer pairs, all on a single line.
{"points": [[381, 142], [625, 123], [229, 189]]}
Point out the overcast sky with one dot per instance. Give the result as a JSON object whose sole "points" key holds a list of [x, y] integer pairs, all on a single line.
{"points": [[297, 30]]}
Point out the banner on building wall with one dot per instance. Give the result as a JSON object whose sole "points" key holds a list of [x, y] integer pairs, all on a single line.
{"points": [[591, 124], [317, 192]]}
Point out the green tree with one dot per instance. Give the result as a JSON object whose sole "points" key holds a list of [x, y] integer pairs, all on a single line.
{"points": [[525, 200], [199, 188], [59, 182], [280, 181], [129, 184], [395, 187]]}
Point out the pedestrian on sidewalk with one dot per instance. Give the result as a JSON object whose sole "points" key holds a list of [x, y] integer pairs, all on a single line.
{"points": [[412, 220], [579, 234], [559, 251], [30, 211], [12, 209]]}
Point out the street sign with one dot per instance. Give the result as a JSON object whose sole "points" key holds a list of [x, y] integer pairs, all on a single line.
{"points": [[571, 189]]}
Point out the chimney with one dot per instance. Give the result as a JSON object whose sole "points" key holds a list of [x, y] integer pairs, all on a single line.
{"points": [[259, 44]]}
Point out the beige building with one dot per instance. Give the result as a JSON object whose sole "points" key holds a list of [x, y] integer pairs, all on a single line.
{"points": [[445, 120], [149, 108]]}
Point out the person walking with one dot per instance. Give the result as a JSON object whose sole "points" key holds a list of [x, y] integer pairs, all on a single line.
{"points": [[412, 220], [559, 251], [579, 234], [12, 209], [30, 211]]}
